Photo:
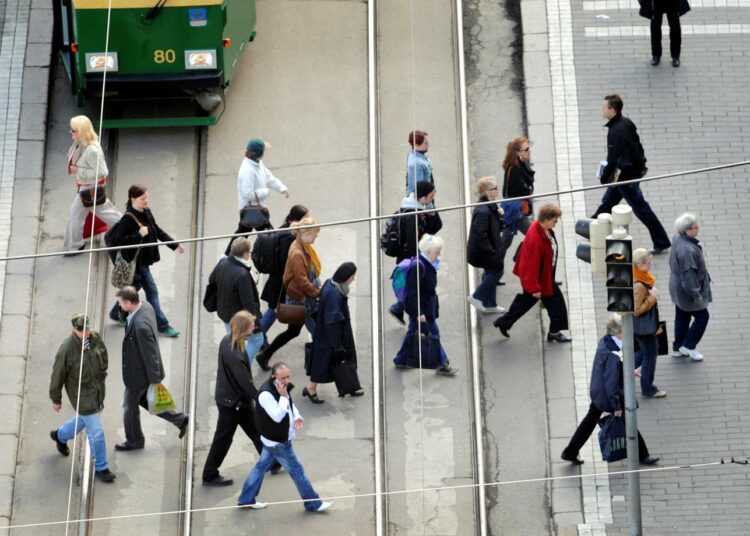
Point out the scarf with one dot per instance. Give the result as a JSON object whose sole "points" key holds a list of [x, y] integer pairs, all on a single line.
{"points": [[644, 277], [342, 287], [313, 257]]}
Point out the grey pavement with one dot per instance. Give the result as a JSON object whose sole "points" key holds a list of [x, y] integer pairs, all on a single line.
{"points": [[687, 118]]}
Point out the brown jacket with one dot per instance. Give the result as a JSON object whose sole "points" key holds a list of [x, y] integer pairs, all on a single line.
{"points": [[644, 301], [297, 273]]}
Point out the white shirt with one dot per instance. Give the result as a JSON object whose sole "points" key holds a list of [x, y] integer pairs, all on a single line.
{"points": [[277, 411], [255, 179], [618, 342]]}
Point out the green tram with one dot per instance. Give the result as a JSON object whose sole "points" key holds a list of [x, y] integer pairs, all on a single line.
{"points": [[157, 49]]}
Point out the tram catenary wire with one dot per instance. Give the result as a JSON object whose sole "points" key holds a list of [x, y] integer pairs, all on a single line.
{"points": [[722, 461], [396, 215]]}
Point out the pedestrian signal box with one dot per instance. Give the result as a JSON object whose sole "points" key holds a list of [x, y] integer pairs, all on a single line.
{"points": [[596, 231], [619, 262]]}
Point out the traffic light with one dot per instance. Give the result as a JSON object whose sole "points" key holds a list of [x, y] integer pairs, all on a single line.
{"points": [[596, 231], [619, 260]]}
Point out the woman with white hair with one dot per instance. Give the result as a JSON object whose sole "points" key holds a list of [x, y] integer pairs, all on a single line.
{"points": [[606, 393], [689, 287], [87, 164], [422, 304], [646, 321]]}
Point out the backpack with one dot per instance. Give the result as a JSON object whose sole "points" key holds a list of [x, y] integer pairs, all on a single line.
{"points": [[398, 277], [265, 253], [390, 240]]}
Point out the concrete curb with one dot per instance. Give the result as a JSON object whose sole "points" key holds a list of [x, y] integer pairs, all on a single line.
{"points": [[25, 215]]}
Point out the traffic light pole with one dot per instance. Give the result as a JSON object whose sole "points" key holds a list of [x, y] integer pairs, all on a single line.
{"points": [[631, 424]]}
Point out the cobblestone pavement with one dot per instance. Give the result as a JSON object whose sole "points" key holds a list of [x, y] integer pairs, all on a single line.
{"points": [[688, 117]]}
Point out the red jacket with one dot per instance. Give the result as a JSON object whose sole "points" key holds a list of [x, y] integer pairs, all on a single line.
{"points": [[534, 264]]}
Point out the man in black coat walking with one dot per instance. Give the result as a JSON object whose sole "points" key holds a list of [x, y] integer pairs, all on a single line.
{"points": [[625, 156], [141, 367]]}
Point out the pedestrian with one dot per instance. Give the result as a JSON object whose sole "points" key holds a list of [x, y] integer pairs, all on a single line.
{"points": [[418, 165], [235, 397], [273, 290], [301, 281], [535, 267], [646, 321], [518, 182], [689, 287], [484, 248], [85, 388], [626, 161], [412, 228], [236, 291], [138, 226], [655, 10], [254, 184], [422, 303], [278, 420], [141, 367], [606, 393], [333, 341], [88, 166]]}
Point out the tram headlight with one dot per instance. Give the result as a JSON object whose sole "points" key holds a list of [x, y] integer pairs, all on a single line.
{"points": [[200, 59], [98, 62]]}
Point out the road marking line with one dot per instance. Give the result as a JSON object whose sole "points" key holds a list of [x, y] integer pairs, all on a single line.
{"points": [[687, 29], [632, 5]]}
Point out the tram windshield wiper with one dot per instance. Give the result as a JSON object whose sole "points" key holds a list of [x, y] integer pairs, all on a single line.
{"points": [[151, 15]]}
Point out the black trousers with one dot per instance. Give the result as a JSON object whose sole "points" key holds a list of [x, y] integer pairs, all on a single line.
{"points": [[586, 428], [522, 303], [668, 8], [229, 419], [291, 332]]}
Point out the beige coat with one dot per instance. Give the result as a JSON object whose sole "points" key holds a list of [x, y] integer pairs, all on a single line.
{"points": [[90, 161]]}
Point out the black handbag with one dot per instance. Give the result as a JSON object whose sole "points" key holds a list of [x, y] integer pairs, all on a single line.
{"points": [[647, 323], [93, 196], [210, 298], [254, 216], [430, 345], [662, 340], [346, 378]]}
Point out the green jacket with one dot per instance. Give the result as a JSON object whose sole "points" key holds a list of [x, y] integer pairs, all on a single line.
{"points": [[65, 373]]}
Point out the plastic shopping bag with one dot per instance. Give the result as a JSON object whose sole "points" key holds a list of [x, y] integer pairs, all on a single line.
{"points": [[612, 438], [159, 399]]}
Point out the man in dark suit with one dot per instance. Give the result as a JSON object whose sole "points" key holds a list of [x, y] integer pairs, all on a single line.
{"points": [[141, 367]]}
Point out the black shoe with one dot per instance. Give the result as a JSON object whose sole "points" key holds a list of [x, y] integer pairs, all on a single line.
{"points": [[275, 468], [675, 62], [358, 392], [559, 337], [184, 426], [62, 448], [262, 361], [446, 370], [75, 253], [105, 475], [650, 460], [655, 60], [502, 329], [125, 446], [659, 251], [401, 365], [398, 316], [312, 396], [219, 481], [500, 283], [575, 460]]}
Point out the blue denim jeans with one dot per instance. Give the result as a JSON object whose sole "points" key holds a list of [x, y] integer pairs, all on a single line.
{"points": [[267, 320], [284, 454], [428, 328], [646, 359], [252, 343], [486, 291], [95, 433], [685, 334]]}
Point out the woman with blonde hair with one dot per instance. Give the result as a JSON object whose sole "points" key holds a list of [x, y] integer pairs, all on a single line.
{"points": [[646, 321], [518, 182], [301, 282], [235, 394], [87, 164], [484, 248]]}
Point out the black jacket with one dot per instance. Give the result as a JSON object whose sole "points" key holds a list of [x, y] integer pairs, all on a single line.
{"points": [[428, 299], [428, 222], [125, 233], [234, 381], [273, 290], [663, 6], [235, 289], [519, 181], [268, 428], [624, 151], [484, 249]]}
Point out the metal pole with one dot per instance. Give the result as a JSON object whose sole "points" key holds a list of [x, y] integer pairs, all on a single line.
{"points": [[631, 423]]}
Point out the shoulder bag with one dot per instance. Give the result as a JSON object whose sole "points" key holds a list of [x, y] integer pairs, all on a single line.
{"points": [[123, 272], [254, 216], [290, 313], [93, 195], [647, 323]]}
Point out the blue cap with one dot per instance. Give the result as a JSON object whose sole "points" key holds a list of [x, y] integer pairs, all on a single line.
{"points": [[256, 146]]}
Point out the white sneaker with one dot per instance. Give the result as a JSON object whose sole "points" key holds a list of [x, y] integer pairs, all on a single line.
{"points": [[694, 354], [495, 309], [477, 304], [677, 353], [324, 506], [257, 505]]}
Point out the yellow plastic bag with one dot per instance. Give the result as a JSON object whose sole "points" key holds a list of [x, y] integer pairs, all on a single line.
{"points": [[159, 400]]}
